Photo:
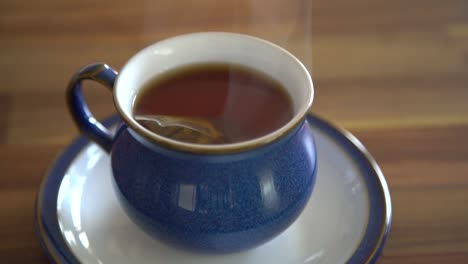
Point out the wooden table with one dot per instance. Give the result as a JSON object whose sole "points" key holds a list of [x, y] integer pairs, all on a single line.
{"points": [[395, 73]]}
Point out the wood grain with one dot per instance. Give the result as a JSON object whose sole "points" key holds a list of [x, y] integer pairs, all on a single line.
{"points": [[392, 72], [23, 167], [427, 171], [4, 110]]}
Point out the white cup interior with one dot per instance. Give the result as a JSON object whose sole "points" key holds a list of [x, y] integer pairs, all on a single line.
{"points": [[208, 47]]}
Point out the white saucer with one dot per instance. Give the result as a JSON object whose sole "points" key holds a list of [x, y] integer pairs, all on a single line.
{"points": [[347, 219]]}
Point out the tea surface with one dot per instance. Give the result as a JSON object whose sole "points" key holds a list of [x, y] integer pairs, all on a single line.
{"points": [[239, 102]]}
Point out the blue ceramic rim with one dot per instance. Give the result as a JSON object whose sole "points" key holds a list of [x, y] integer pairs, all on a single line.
{"points": [[369, 249], [380, 205], [46, 220]]}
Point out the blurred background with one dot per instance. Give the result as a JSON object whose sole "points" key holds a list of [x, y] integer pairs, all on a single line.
{"points": [[392, 72], [375, 63]]}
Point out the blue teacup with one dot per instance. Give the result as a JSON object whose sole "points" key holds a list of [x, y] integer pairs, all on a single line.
{"points": [[211, 198]]}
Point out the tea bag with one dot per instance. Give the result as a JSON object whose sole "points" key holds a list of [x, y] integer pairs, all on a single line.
{"points": [[187, 129]]}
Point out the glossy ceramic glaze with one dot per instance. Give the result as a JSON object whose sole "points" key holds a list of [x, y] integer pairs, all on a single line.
{"points": [[215, 202], [212, 198], [79, 218]]}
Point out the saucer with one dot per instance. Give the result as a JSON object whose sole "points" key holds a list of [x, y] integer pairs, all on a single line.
{"points": [[79, 220]]}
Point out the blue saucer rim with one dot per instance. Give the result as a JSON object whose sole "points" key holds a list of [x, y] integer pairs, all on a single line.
{"points": [[368, 251], [380, 205]]}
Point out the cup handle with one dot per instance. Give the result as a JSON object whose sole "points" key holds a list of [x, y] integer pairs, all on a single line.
{"points": [[79, 110]]}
